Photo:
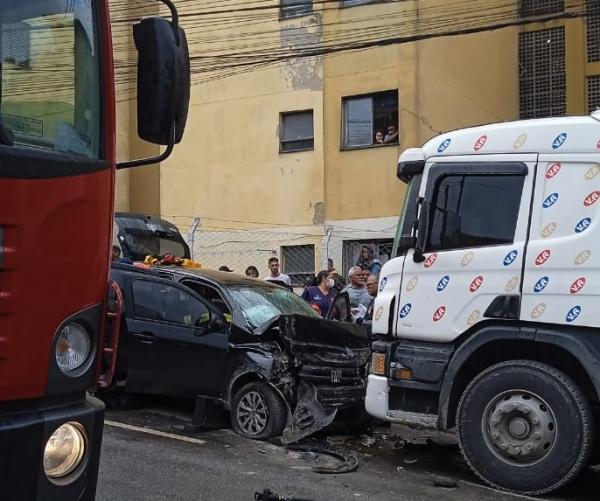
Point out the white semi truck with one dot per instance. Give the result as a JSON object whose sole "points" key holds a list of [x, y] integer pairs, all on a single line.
{"points": [[489, 315]]}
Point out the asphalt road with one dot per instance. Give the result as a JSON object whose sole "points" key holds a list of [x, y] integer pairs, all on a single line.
{"points": [[153, 454]]}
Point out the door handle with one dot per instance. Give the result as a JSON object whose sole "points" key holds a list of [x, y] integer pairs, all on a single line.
{"points": [[145, 337]]}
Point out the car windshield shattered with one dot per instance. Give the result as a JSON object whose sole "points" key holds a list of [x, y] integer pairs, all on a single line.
{"points": [[259, 305]]}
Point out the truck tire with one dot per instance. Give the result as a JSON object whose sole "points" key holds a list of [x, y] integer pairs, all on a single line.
{"points": [[258, 412], [524, 427]]}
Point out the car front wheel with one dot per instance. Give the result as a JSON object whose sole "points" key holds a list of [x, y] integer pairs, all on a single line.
{"points": [[524, 426], [258, 412]]}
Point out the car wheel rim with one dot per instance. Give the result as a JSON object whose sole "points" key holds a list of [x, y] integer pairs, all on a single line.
{"points": [[519, 428], [252, 413]]}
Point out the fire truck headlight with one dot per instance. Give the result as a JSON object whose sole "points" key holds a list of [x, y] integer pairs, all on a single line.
{"points": [[64, 450], [73, 347]]}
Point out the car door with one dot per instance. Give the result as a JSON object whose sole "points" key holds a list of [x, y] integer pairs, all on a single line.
{"points": [[173, 346], [476, 235]]}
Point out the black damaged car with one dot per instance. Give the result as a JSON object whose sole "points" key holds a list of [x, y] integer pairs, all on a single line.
{"points": [[254, 348]]}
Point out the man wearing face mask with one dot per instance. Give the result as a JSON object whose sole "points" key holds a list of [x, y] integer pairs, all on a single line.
{"points": [[320, 295]]}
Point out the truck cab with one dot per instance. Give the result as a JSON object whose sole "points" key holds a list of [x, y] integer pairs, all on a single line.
{"points": [[487, 315]]}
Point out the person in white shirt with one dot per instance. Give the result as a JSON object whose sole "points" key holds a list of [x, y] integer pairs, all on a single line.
{"points": [[275, 276]]}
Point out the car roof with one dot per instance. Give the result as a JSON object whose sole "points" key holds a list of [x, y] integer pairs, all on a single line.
{"points": [[216, 276]]}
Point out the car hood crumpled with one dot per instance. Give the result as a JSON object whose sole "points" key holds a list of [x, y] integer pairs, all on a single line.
{"points": [[318, 341]]}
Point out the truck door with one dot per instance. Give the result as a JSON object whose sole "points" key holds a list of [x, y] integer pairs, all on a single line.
{"points": [[475, 239], [561, 273]]}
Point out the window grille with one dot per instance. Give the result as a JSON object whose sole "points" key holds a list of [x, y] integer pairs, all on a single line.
{"points": [[593, 93], [542, 77], [382, 250], [593, 31], [540, 7], [298, 261]]}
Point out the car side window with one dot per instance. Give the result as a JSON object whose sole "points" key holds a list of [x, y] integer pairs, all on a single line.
{"points": [[164, 302], [474, 211], [211, 295]]}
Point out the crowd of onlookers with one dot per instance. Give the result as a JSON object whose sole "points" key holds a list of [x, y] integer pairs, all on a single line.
{"points": [[321, 291]]}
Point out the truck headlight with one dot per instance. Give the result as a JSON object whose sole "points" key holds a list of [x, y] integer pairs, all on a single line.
{"points": [[378, 364], [73, 347], [64, 451]]}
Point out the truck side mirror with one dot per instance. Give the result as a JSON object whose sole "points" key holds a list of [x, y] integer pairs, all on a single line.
{"points": [[163, 92], [406, 242], [422, 230]]}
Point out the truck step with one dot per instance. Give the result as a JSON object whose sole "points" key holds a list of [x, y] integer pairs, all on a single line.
{"points": [[414, 419]]}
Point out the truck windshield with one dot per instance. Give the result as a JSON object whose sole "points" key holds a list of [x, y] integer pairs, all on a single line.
{"points": [[407, 216], [50, 88]]}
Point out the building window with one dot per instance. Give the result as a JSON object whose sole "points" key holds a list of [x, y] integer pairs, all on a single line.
{"points": [[542, 77], [464, 211], [370, 120], [297, 131], [593, 93], [298, 262], [16, 44], [540, 7], [381, 249], [593, 31], [295, 8], [352, 3]]}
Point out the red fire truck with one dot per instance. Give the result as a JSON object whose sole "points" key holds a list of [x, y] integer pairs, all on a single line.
{"points": [[57, 173]]}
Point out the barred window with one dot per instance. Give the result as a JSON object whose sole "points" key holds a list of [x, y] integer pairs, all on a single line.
{"points": [[381, 250], [299, 263], [542, 75], [593, 93], [593, 31], [540, 7]]}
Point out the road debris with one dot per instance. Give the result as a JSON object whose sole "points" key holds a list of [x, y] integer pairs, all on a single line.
{"points": [[345, 460]]}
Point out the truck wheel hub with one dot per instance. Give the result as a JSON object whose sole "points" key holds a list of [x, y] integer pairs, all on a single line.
{"points": [[519, 427]]}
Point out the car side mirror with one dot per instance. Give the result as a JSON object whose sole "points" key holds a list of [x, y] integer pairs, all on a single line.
{"points": [[422, 230]]}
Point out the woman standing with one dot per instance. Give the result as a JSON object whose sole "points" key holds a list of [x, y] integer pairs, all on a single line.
{"points": [[320, 296]]}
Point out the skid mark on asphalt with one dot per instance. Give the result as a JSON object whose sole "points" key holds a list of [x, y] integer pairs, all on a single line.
{"points": [[157, 433]]}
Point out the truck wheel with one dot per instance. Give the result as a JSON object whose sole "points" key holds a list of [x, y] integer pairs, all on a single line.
{"points": [[258, 412], [525, 427]]}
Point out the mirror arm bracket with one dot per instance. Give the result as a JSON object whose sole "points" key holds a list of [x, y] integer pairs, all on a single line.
{"points": [[174, 18], [151, 160]]}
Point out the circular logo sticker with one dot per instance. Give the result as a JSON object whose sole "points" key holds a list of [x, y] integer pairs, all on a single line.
{"points": [[480, 143], [512, 284], [378, 313], [538, 310], [582, 257], [577, 285], [542, 257], [473, 317], [382, 284], [520, 142], [475, 284], [573, 313], [412, 283], [439, 313], [444, 145], [592, 172], [466, 259], [552, 170], [430, 261], [591, 199], [549, 229]]}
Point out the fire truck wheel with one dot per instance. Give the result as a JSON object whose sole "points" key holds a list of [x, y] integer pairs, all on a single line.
{"points": [[525, 427], [258, 412]]}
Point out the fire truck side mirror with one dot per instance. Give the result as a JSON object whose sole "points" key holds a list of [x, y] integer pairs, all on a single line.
{"points": [[422, 229], [163, 80]]}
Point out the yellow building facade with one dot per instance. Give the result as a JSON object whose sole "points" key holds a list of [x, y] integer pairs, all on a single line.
{"points": [[280, 154]]}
